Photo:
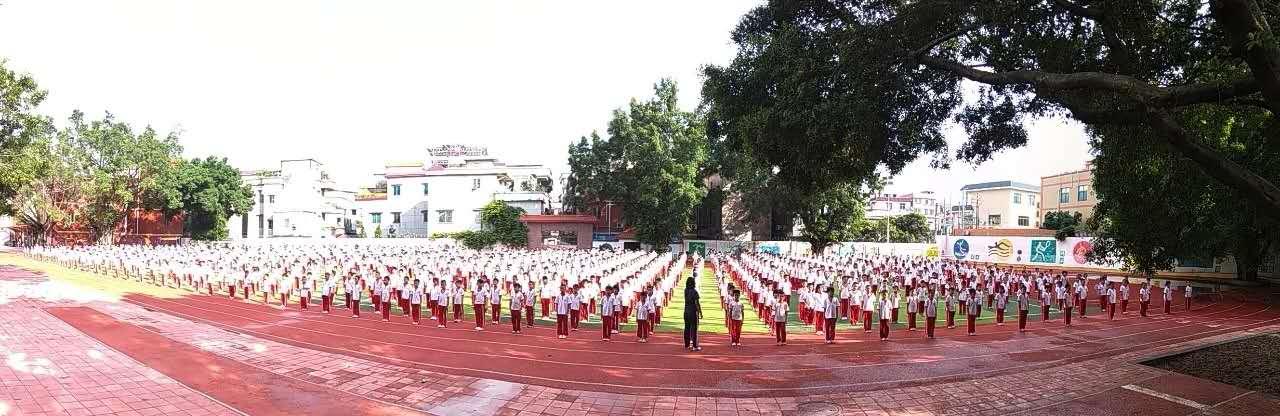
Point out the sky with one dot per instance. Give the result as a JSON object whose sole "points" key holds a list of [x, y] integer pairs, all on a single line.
{"points": [[355, 84]]}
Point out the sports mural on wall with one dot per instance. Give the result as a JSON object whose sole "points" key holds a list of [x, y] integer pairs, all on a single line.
{"points": [[1022, 250]]}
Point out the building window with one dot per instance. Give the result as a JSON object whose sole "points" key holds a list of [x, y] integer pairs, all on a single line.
{"points": [[444, 216], [1031, 199], [395, 217], [260, 197], [425, 217], [375, 217], [261, 229], [424, 188], [271, 227], [902, 206], [476, 212], [1017, 197], [1082, 193], [244, 226], [475, 184], [395, 190], [1064, 195], [338, 220], [271, 199], [353, 212], [1024, 221], [993, 219]]}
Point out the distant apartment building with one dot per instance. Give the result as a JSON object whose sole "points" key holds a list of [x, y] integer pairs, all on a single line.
{"points": [[1068, 191], [297, 200], [924, 203], [445, 192], [1000, 204]]}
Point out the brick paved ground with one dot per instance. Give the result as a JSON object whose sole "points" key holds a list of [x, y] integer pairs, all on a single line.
{"points": [[1114, 385]]}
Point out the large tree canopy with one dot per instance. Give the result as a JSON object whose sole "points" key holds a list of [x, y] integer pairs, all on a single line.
{"points": [[209, 191], [652, 162], [20, 126], [829, 90]]}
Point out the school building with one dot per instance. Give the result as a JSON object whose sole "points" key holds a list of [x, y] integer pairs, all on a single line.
{"points": [[1000, 204], [299, 199], [1068, 191]]}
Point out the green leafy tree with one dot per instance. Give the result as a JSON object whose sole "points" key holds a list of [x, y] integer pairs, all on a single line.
{"points": [[503, 221], [1066, 223], [829, 216], [124, 169], [831, 91], [55, 195], [1156, 208], [651, 163], [208, 191], [913, 228], [20, 127]]}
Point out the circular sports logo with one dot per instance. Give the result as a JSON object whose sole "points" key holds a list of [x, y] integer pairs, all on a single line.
{"points": [[1080, 251], [960, 249]]}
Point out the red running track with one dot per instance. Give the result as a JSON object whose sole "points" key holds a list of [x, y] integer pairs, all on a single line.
{"points": [[759, 368]]}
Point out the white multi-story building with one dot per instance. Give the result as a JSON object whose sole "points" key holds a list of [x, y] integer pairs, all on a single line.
{"points": [[446, 193], [1002, 204], [893, 205], [297, 200]]}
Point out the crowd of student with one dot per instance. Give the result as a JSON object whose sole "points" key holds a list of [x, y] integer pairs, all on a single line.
{"points": [[859, 288], [573, 286]]}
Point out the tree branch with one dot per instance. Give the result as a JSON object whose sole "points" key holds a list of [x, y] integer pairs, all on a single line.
{"points": [[934, 43], [1257, 190], [1130, 87], [1252, 39], [1076, 9]]}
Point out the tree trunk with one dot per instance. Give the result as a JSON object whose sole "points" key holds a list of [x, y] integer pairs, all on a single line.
{"points": [[1252, 39]]}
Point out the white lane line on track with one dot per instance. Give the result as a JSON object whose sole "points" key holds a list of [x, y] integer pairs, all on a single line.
{"points": [[522, 376], [619, 367], [577, 350], [1185, 402]]}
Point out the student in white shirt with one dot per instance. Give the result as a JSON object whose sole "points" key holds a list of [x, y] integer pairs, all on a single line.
{"points": [[644, 311], [780, 310], [415, 301], [516, 307], [562, 315], [478, 296]]}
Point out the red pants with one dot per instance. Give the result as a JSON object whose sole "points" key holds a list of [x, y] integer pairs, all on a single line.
{"points": [[303, 303], [1066, 313], [1045, 311], [546, 306], [1142, 308], [642, 328], [495, 313], [478, 310], [951, 319], [929, 323], [857, 311], [1000, 316], [1084, 306], [325, 301], [1112, 312], [607, 327], [895, 315], [528, 316], [441, 315], [1188, 304], [348, 295], [1166, 307], [884, 328], [515, 320], [844, 308], [457, 312], [417, 312], [911, 321], [780, 331], [866, 321], [818, 322], [386, 311], [405, 308], [284, 300], [562, 325], [355, 309], [573, 318], [1022, 320], [829, 331], [973, 323], [377, 302], [231, 290], [1124, 306]]}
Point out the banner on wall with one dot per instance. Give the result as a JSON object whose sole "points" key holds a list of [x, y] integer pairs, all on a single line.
{"points": [[1031, 251]]}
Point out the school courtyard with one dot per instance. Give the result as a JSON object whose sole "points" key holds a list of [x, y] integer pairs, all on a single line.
{"points": [[78, 344]]}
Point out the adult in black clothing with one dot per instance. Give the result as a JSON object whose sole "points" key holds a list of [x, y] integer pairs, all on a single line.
{"points": [[692, 313]]}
